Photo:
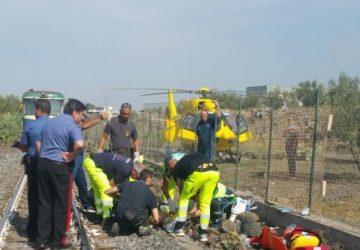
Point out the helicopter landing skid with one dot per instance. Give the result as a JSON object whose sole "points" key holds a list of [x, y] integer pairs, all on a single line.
{"points": [[228, 156]]}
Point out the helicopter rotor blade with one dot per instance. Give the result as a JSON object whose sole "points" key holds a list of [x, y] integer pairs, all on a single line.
{"points": [[204, 93], [135, 88], [141, 88], [159, 93], [230, 91], [167, 92]]}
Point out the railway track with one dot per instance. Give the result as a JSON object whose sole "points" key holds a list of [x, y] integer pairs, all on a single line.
{"points": [[85, 231], [6, 219], [14, 222]]}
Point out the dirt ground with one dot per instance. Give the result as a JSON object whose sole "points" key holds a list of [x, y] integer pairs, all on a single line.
{"points": [[340, 203]]}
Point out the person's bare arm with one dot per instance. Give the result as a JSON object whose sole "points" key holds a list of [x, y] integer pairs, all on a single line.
{"points": [[195, 211], [136, 145], [155, 218], [90, 122], [113, 191], [102, 141], [165, 187]]}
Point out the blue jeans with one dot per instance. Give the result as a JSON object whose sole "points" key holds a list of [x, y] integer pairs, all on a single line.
{"points": [[80, 180], [207, 151]]}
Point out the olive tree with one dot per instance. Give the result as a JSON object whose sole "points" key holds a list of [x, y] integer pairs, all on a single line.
{"points": [[344, 97]]}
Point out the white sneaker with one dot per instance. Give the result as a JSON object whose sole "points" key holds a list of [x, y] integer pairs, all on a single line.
{"points": [[203, 238], [89, 209], [178, 232]]}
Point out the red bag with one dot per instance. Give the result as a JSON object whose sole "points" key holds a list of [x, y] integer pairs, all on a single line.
{"points": [[270, 239], [298, 238]]}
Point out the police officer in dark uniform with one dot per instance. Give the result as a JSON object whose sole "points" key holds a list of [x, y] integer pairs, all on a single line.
{"points": [[123, 134], [31, 132], [137, 206]]}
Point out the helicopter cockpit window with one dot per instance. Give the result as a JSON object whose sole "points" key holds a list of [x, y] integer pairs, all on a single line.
{"points": [[229, 121], [241, 124], [200, 105], [189, 122], [236, 124]]}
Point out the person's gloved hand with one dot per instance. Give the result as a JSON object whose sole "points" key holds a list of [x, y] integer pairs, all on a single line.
{"points": [[100, 150], [106, 115], [172, 205]]}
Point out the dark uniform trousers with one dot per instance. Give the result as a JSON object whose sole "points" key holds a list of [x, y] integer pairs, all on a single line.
{"points": [[54, 180], [30, 170], [141, 218]]}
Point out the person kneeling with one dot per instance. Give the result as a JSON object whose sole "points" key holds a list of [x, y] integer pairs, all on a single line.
{"points": [[137, 206]]}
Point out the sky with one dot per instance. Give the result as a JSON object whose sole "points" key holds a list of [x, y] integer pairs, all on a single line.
{"points": [[86, 49]]}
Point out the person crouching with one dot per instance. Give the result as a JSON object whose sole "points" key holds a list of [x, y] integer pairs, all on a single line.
{"points": [[194, 172], [137, 206]]}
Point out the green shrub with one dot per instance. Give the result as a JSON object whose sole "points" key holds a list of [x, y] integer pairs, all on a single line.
{"points": [[9, 103], [10, 127]]}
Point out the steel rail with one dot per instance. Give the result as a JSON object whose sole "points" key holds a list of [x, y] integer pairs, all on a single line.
{"points": [[84, 239], [8, 212]]}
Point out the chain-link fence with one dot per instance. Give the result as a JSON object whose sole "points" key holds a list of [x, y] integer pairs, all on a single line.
{"points": [[150, 126], [303, 157], [298, 157], [295, 163]]}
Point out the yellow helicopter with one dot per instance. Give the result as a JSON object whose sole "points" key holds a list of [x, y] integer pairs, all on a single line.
{"points": [[228, 129]]}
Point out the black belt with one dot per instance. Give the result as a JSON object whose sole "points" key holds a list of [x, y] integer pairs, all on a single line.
{"points": [[56, 162], [121, 149], [206, 167]]}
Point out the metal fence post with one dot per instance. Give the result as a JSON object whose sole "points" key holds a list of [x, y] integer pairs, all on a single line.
{"points": [[194, 146], [149, 136], [143, 132], [158, 135], [270, 147], [313, 157], [213, 150], [237, 147]]}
